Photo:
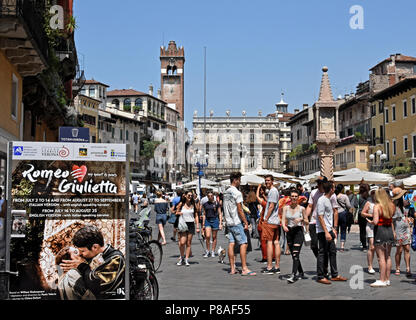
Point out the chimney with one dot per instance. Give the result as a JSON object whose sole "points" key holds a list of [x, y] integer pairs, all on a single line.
{"points": [[159, 94], [296, 110], [305, 106], [151, 90]]}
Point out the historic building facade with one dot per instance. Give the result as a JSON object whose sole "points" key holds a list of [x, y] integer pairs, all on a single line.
{"points": [[243, 142]]}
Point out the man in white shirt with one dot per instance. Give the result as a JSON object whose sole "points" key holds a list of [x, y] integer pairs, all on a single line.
{"points": [[271, 228], [327, 234], [236, 223]]}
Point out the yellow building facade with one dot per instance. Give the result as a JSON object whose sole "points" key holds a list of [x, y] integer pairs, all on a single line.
{"points": [[88, 108], [354, 155], [397, 120]]}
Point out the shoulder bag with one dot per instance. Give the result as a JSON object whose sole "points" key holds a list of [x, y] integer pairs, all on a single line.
{"points": [[182, 226]]}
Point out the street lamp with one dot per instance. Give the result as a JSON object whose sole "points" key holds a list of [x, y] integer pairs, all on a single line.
{"points": [[200, 162], [373, 159]]}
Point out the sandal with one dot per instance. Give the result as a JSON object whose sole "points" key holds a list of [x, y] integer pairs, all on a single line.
{"points": [[250, 273], [235, 272], [408, 274], [397, 273]]}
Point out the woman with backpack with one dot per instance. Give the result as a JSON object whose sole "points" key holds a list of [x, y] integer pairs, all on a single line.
{"points": [[188, 218], [344, 211]]}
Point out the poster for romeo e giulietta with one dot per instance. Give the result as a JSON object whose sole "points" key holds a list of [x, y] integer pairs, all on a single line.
{"points": [[68, 210]]}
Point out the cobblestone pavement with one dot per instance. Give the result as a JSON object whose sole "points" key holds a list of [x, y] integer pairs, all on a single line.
{"points": [[207, 279]]}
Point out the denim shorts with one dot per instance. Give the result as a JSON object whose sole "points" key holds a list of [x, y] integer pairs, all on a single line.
{"points": [[213, 223], [237, 234], [161, 219]]}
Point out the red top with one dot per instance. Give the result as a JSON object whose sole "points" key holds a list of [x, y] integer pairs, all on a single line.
{"points": [[383, 221]]}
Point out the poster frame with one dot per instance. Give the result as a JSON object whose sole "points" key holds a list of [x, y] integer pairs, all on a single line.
{"points": [[9, 217]]}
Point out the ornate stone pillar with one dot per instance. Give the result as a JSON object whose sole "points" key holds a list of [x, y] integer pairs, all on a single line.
{"points": [[326, 122]]}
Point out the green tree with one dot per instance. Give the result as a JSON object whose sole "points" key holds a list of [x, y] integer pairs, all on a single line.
{"points": [[148, 149]]}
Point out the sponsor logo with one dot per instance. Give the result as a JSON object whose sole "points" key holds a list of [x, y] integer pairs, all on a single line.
{"points": [[83, 152], [55, 152], [115, 154], [18, 150], [64, 152]]}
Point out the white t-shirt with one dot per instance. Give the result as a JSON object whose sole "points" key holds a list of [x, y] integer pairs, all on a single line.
{"points": [[273, 197], [324, 208], [188, 214], [135, 198], [232, 197]]}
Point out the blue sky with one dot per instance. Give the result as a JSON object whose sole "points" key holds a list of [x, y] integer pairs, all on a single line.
{"points": [[255, 49]]}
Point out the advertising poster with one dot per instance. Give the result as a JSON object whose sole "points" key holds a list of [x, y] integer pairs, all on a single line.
{"points": [[68, 221]]}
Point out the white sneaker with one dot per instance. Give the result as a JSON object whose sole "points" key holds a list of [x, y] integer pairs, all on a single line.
{"points": [[371, 271], [379, 283], [206, 255], [187, 263], [180, 262], [387, 282], [213, 254]]}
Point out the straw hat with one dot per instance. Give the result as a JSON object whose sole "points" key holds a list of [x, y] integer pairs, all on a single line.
{"points": [[398, 193]]}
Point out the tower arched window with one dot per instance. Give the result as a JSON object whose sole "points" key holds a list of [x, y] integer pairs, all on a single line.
{"points": [[169, 70], [174, 71], [116, 103]]}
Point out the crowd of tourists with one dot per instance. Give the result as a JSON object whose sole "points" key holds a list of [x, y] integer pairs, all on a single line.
{"points": [[284, 220]]}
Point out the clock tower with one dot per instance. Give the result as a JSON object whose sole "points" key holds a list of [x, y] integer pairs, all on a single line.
{"points": [[172, 61]]}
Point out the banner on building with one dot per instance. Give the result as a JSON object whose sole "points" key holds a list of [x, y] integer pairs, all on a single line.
{"points": [[67, 216]]}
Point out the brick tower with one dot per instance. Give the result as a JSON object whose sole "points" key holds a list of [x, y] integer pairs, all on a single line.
{"points": [[172, 61]]}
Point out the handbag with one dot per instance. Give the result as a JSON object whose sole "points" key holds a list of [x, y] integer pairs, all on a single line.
{"points": [[307, 237], [172, 218], [182, 226]]}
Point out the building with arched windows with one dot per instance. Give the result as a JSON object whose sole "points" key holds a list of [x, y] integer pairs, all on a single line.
{"points": [[262, 141]]}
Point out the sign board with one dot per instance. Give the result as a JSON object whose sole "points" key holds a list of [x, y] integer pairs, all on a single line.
{"points": [[72, 134], [64, 197]]}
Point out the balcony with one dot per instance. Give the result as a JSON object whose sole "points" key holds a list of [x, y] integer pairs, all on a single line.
{"points": [[22, 37]]}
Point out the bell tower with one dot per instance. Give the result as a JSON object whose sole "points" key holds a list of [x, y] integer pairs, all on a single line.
{"points": [[172, 61]]}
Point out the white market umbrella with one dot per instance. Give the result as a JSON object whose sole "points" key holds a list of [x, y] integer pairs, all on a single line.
{"points": [[204, 182], [366, 178], [312, 176], [247, 179], [410, 182]]}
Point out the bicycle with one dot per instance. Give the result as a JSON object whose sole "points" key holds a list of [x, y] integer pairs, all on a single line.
{"points": [[143, 282], [139, 228]]}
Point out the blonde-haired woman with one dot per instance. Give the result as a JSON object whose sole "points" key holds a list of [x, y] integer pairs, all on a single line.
{"points": [[383, 235]]}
